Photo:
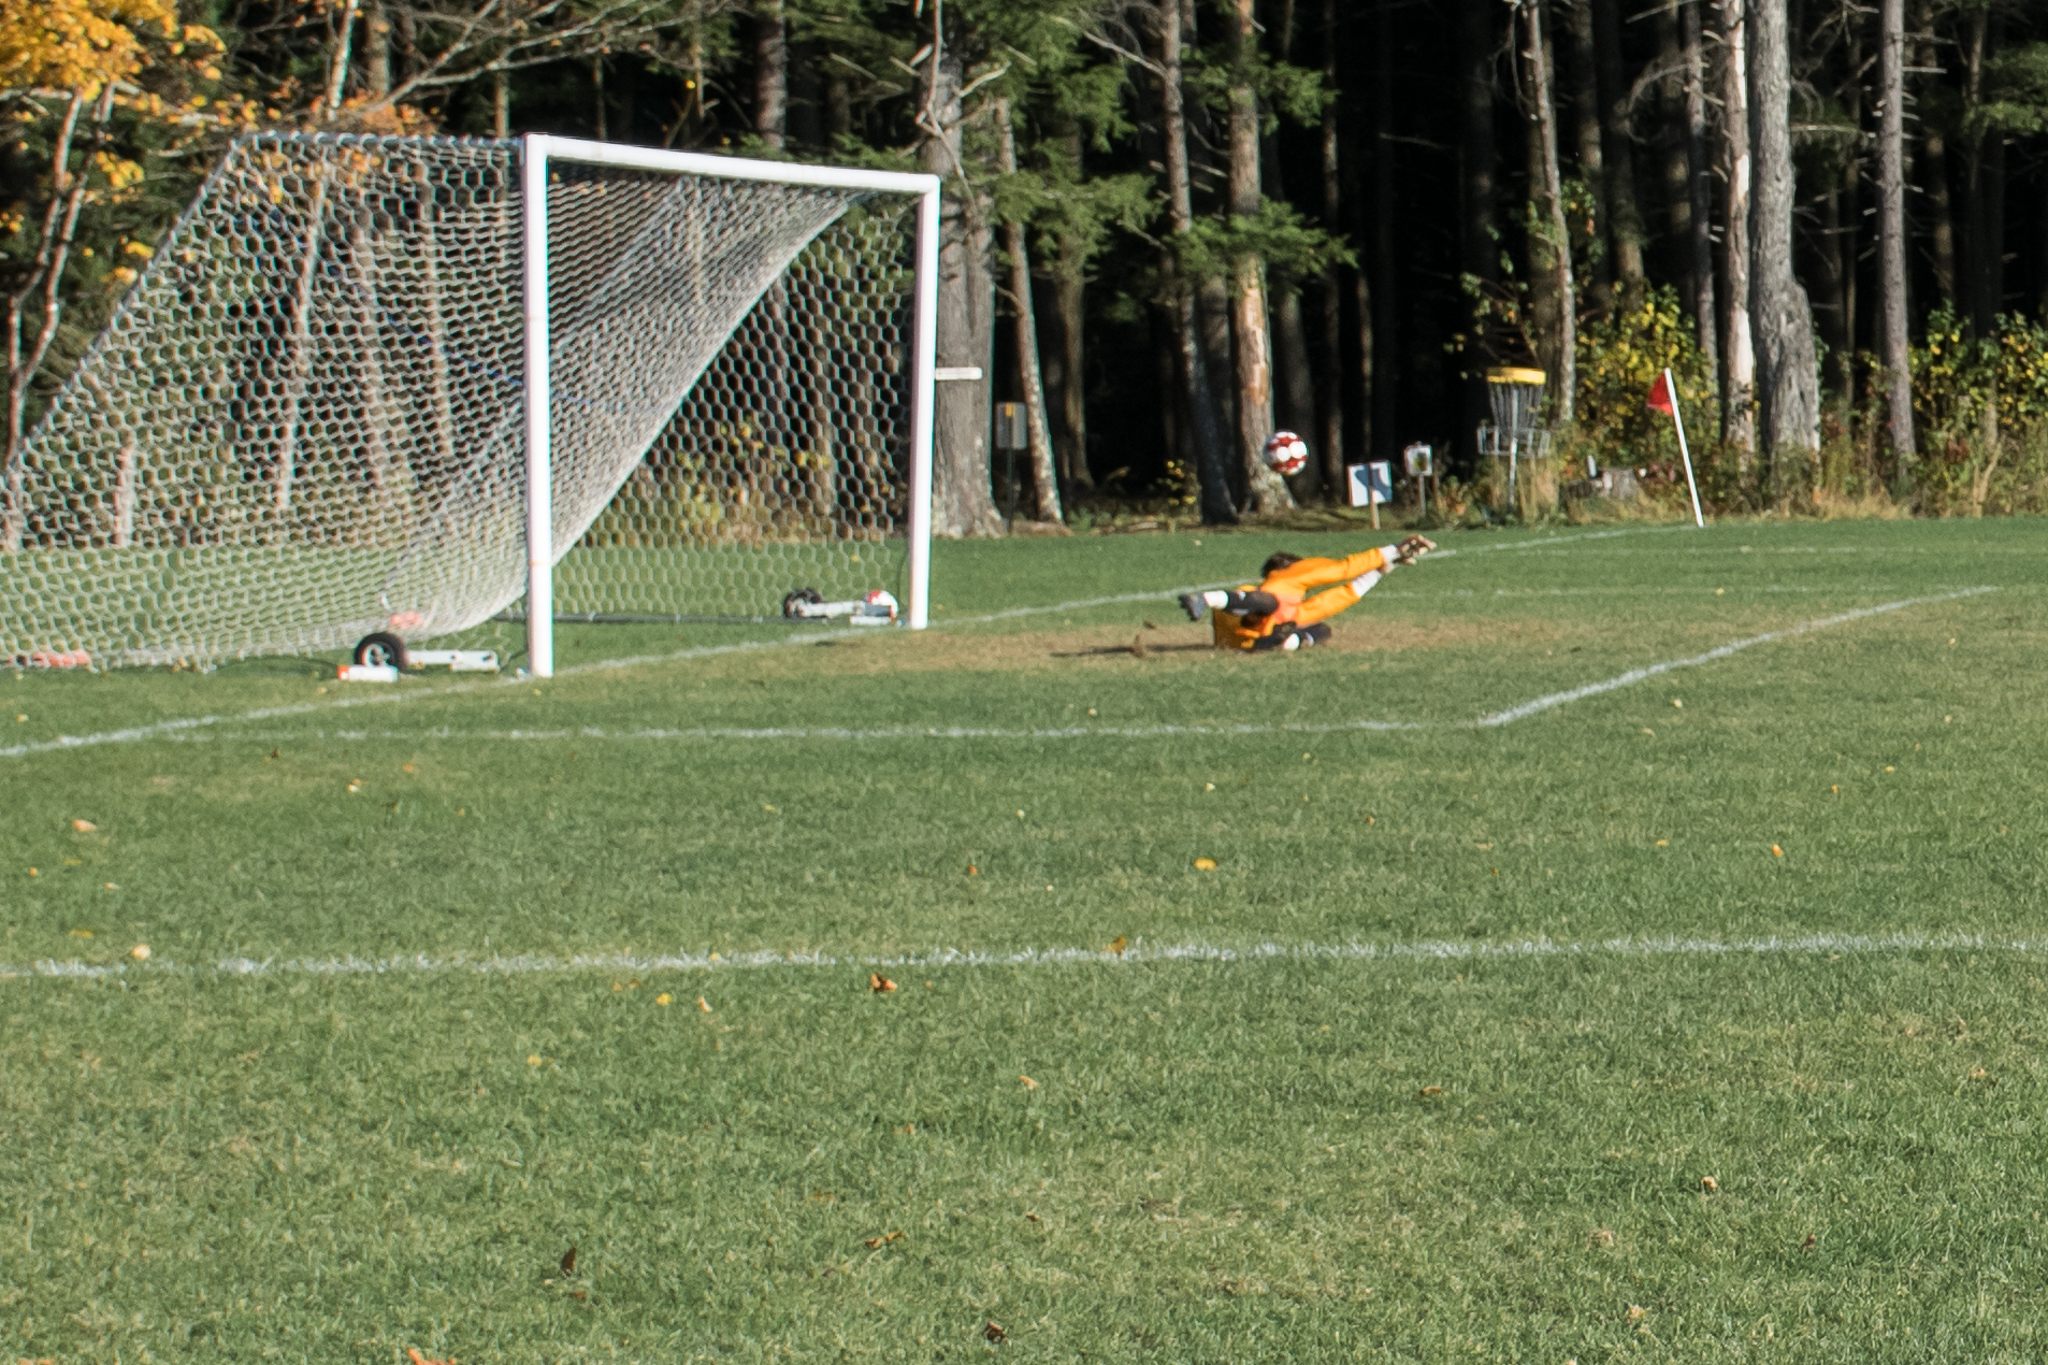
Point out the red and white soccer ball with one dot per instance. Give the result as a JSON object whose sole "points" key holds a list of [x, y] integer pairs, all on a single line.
{"points": [[1286, 453]]}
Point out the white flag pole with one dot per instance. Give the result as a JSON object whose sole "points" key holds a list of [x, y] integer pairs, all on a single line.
{"points": [[1678, 421]]}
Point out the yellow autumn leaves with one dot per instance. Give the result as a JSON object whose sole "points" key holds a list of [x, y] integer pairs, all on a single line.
{"points": [[82, 45]]}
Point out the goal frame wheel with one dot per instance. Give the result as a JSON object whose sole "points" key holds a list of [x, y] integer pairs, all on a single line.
{"points": [[381, 647]]}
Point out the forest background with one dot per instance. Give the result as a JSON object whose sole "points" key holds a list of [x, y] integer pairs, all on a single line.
{"points": [[1174, 226]]}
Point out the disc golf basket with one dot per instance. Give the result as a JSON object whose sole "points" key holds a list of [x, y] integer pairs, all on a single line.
{"points": [[1516, 432]]}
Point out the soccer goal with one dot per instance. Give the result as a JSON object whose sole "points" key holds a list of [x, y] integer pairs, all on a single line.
{"points": [[406, 385]]}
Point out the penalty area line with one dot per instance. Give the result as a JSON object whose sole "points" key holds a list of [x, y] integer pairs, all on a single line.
{"points": [[1636, 675], [1139, 951]]}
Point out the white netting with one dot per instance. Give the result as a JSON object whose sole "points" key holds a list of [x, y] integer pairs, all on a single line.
{"points": [[306, 420]]}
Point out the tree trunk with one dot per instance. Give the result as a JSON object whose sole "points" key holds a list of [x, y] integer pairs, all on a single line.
{"points": [[1738, 387], [1479, 236], [1891, 221], [338, 61], [46, 275], [1789, 373], [1296, 400], [1268, 491], [1582, 73], [1043, 475], [376, 48], [1843, 226], [501, 105], [962, 504], [1984, 189], [771, 73], [597, 89], [1626, 231], [1386, 318], [1932, 169], [1330, 375], [1941, 231], [1700, 195], [1676, 163], [1205, 434], [1564, 345], [838, 106]]}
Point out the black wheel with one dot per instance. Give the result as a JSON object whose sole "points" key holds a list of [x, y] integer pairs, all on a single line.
{"points": [[807, 596], [381, 648]]}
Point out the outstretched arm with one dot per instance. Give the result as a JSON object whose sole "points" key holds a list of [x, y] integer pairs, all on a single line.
{"points": [[1327, 604]]}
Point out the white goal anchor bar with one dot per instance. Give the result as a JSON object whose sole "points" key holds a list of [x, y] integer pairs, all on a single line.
{"points": [[536, 151]]}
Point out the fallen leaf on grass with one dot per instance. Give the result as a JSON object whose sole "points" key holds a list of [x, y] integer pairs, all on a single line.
{"points": [[1636, 1314], [879, 984], [1029, 1084], [996, 1335], [1602, 1238], [1648, 731], [87, 826], [1807, 1245], [1677, 705], [876, 1242], [1205, 864], [1709, 1184], [1118, 944], [1031, 1217], [1430, 1091], [664, 999], [1777, 852], [973, 871], [534, 1060], [140, 952], [703, 1004], [412, 1353], [81, 933]]}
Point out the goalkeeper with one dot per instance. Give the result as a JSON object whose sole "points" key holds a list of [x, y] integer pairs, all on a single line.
{"points": [[1278, 612]]}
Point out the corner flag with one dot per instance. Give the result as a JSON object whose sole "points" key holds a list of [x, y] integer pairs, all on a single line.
{"points": [[1661, 398], [1664, 399]]}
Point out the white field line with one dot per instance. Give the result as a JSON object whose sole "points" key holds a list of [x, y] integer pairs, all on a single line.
{"points": [[1440, 950], [1493, 720], [1636, 675]]}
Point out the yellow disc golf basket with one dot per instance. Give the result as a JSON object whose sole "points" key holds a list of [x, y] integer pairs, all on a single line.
{"points": [[1516, 432]]}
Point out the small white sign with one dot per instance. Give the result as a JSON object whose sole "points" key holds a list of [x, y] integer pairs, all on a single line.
{"points": [[1420, 460], [956, 374], [1371, 483]]}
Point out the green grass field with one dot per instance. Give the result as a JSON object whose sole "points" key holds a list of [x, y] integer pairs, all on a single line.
{"points": [[1697, 1018]]}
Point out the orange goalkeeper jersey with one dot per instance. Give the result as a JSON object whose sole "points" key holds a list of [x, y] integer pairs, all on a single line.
{"points": [[1291, 585]]}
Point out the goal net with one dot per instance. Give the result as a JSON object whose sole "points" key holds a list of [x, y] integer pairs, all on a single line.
{"points": [[315, 414]]}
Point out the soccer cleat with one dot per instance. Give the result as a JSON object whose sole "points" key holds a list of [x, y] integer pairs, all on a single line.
{"points": [[1194, 604]]}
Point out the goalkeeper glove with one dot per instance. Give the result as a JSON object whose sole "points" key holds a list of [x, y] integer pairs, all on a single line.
{"points": [[1412, 549]]}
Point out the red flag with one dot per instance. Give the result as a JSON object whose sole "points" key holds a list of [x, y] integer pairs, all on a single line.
{"points": [[1661, 397]]}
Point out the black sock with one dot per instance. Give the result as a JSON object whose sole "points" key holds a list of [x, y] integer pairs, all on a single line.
{"points": [[1251, 603]]}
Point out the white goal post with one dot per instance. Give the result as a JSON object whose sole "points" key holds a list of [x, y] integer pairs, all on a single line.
{"points": [[537, 152], [399, 386]]}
